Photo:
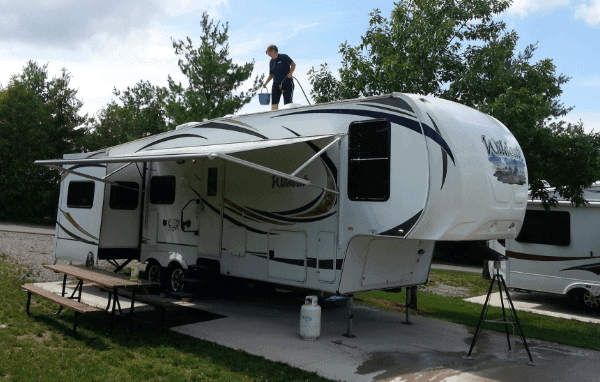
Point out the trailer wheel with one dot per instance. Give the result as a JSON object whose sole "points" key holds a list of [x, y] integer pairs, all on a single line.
{"points": [[154, 272], [175, 274], [589, 300]]}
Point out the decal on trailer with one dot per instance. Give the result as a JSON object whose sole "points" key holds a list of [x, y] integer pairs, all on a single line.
{"points": [[507, 162]]}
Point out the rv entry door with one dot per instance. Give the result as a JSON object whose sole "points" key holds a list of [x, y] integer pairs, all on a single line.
{"points": [[80, 214], [210, 224]]}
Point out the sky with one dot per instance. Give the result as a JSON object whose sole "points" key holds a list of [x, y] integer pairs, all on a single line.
{"points": [[114, 44]]}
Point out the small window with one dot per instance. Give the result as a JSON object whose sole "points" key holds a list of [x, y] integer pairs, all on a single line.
{"points": [[546, 227], [124, 196], [162, 190], [369, 160], [80, 194], [211, 184]]}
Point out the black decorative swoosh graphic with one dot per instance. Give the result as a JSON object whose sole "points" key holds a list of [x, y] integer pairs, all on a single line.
{"points": [[387, 109], [594, 268], [405, 227], [77, 238], [444, 155], [393, 118], [76, 225], [301, 209], [291, 219], [171, 138], [227, 217], [390, 101], [528, 256], [224, 126]]}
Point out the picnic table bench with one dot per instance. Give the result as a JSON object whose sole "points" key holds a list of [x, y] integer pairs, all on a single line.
{"points": [[109, 280], [66, 302]]}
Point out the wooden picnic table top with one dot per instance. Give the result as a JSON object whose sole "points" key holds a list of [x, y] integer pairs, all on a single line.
{"points": [[97, 276]]}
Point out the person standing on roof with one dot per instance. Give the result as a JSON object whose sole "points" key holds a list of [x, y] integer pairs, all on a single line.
{"points": [[281, 68]]}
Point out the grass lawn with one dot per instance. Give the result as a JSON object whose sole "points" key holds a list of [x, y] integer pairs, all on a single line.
{"points": [[454, 309], [42, 348]]}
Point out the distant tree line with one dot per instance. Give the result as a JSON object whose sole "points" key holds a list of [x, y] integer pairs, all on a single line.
{"points": [[454, 50], [40, 118]]}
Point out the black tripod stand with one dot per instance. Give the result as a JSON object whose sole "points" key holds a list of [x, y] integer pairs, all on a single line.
{"points": [[501, 285]]}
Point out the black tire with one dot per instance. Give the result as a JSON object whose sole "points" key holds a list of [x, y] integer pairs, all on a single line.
{"points": [[154, 272], [589, 301], [174, 275]]}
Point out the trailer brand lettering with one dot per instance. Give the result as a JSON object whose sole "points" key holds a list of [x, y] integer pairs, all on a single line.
{"points": [[508, 162], [279, 182]]}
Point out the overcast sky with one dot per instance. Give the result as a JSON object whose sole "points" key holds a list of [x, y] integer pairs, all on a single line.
{"points": [[110, 43]]}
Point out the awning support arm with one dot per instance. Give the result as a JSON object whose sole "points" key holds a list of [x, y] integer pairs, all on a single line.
{"points": [[258, 167], [316, 155], [117, 170]]}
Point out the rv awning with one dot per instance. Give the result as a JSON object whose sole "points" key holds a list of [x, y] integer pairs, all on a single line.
{"points": [[197, 152]]}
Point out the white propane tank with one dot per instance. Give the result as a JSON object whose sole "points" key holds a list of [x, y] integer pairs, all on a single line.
{"points": [[310, 319]]}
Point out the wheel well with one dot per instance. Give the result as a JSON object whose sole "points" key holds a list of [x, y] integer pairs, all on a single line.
{"points": [[175, 263], [576, 292]]}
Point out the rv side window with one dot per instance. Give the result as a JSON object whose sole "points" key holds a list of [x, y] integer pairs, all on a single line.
{"points": [[162, 190], [369, 160], [80, 194], [124, 198], [541, 227]]}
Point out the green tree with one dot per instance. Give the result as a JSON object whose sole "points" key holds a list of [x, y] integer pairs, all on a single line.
{"points": [[458, 51], [39, 119], [138, 112], [212, 78]]}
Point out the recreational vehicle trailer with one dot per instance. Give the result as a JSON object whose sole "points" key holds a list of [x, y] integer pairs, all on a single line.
{"points": [[557, 251], [337, 197]]}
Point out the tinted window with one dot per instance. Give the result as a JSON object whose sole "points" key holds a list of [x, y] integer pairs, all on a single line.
{"points": [[125, 196], [546, 227], [162, 190], [80, 194], [369, 160]]}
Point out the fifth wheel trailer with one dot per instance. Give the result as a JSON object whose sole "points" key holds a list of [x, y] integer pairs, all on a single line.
{"points": [[557, 251], [339, 197]]}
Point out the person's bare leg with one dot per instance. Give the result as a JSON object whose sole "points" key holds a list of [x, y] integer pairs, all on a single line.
{"points": [[274, 106]]}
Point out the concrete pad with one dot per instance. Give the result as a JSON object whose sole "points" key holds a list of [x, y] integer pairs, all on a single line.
{"points": [[540, 303], [384, 349]]}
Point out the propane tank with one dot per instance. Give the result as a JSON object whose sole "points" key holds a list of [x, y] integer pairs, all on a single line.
{"points": [[310, 319]]}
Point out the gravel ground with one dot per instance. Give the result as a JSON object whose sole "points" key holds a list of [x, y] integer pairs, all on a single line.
{"points": [[32, 251]]}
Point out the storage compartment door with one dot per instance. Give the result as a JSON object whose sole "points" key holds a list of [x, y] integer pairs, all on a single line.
{"points": [[326, 259], [287, 255], [388, 263]]}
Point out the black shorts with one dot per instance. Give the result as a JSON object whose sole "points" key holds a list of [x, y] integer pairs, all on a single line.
{"points": [[287, 88]]}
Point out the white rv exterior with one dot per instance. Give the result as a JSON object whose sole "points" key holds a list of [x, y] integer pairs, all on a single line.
{"points": [[557, 251], [338, 197]]}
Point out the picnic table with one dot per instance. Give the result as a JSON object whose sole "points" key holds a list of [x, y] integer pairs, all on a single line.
{"points": [[111, 281]]}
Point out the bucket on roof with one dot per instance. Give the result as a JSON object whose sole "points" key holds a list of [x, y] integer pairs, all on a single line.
{"points": [[264, 98]]}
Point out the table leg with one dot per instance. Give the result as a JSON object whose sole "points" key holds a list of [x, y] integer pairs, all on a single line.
{"points": [[60, 308], [131, 311], [114, 310]]}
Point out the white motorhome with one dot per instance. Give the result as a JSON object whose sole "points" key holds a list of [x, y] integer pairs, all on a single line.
{"points": [[557, 251], [338, 197]]}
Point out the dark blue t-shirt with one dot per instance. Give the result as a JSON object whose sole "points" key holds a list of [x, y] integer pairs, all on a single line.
{"points": [[280, 67]]}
